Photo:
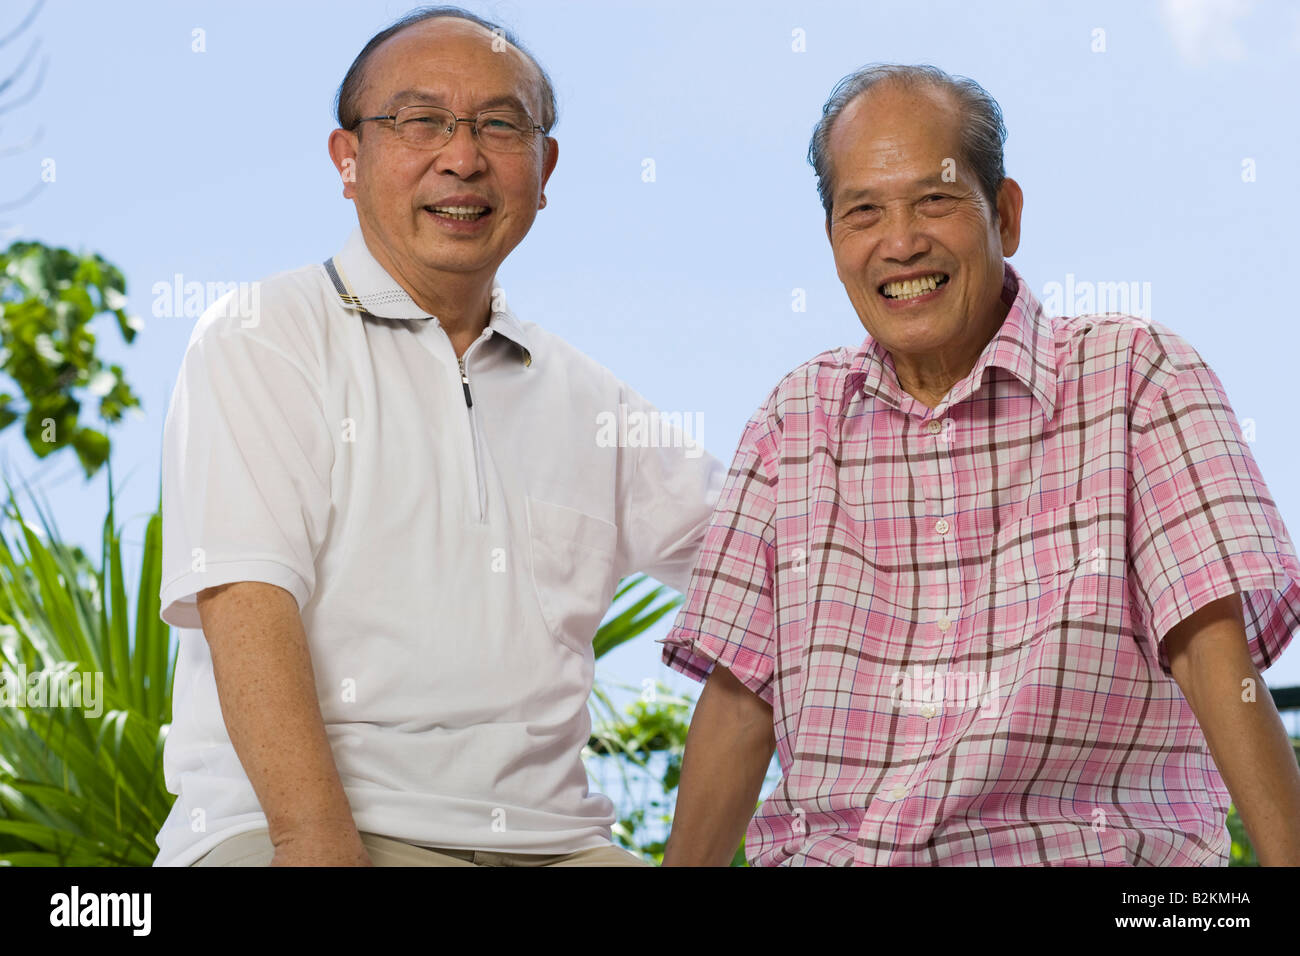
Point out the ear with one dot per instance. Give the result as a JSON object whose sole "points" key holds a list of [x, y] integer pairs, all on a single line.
{"points": [[550, 155], [1011, 200], [343, 152]]}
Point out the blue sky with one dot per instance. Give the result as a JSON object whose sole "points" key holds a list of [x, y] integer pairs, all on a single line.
{"points": [[213, 165]]}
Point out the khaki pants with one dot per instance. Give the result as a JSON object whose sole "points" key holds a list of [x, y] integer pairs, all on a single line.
{"points": [[254, 848]]}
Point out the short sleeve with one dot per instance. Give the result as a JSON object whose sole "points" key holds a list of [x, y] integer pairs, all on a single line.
{"points": [[245, 477], [727, 618], [671, 491], [1202, 524]]}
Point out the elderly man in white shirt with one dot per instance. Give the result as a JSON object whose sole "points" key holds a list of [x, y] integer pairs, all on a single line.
{"points": [[390, 530]]}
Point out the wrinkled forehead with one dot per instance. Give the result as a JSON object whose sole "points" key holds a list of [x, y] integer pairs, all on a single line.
{"points": [[919, 116], [449, 57], [894, 132]]}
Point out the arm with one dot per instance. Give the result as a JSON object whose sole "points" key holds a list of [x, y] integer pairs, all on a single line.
{"points": [[666, 494], [728, 748], [268, 699], [1209, 658]]}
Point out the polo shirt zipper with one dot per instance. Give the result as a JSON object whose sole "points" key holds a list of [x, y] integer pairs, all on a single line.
{"points": [[473, 434], [351, 301], [464, 381]]}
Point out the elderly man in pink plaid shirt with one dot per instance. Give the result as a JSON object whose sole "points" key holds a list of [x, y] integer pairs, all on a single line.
{"points": [[996, 586]]}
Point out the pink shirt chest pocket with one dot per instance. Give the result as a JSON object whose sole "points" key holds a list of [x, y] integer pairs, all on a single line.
{"points": [[1047, 568]]}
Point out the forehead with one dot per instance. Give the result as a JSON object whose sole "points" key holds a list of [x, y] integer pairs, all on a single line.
{"points": [[894, 134], [452, 58]]}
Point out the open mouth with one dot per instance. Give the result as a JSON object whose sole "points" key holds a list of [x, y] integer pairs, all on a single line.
{"points": [[914, 288], [459, 213]]}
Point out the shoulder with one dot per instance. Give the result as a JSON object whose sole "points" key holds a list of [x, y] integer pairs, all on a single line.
{"points": [[285, 314], [1144, 358], [821, 382], [584, 379], [1149, 350], [561, 354]]}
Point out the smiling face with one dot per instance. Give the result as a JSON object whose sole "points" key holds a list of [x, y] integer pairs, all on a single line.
{"points": [[920, 257], [402, 192]]}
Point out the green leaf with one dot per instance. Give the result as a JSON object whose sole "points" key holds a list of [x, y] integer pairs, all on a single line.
{"points": [[92, 449], [51, 298]]}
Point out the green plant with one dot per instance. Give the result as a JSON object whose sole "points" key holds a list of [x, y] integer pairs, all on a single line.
{"points": [[80, 787], [48, 300], [641, 746]]}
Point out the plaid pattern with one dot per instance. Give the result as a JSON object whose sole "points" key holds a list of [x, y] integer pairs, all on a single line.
{"points": [[956, 614]]}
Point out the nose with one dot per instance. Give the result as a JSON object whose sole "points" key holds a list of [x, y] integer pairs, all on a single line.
{"points": [[902, 237], [461, 154]]}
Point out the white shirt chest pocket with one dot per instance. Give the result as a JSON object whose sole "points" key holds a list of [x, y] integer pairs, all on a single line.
{"points": [[573, 570]]}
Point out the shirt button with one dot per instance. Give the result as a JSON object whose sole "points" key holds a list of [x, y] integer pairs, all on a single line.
{"points": [[898, 793], [933, 426], [928, 711], [944, 623], [941, 526]]}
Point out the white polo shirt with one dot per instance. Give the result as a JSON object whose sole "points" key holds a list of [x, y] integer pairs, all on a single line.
{"points": [[452, 542]]}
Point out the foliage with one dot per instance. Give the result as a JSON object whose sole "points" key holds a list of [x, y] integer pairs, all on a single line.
{"points": [[49, 297], [643, 745], [82, 786]]}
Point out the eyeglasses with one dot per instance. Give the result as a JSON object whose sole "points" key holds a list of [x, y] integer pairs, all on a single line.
{"points": [[431, 127]]}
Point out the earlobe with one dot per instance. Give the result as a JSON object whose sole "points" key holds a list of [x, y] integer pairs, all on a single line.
{"points": [[343, 153], [542, 204], [348, 174]]}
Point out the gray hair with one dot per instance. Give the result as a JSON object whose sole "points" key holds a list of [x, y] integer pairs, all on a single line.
{"points": [[345, 100], [982, 135]]}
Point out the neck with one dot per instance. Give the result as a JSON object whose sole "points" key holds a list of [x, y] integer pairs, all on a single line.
{"points": [[460, 301], [928, 378]]}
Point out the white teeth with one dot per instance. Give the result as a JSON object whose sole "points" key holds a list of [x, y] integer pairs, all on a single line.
{"points": [[911, 288], [460, 212]]}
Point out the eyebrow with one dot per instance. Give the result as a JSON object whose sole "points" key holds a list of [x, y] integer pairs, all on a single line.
{"points": [[866, 192], [414, 96]]}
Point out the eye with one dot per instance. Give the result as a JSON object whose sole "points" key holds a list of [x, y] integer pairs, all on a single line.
{"points": [[419, 118]]}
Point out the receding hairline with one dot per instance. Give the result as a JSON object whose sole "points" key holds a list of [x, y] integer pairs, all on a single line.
{"points": [[918, 86], [538, 77], [910, 85]]}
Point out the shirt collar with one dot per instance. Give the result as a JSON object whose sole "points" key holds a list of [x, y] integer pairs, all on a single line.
{"points": [[1023, 345], [365, 287]]}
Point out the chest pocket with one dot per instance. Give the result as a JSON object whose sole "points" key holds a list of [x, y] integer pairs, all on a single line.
{"points": [[573, 570], [1048, 567]]}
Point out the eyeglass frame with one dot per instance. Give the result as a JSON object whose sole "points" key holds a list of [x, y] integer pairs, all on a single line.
{"points": [[457, 120]]}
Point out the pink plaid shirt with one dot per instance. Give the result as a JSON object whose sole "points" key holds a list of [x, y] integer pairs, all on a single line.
{"points": [[956, 613]]}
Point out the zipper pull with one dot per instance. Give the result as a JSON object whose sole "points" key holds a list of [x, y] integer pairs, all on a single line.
{"points": [[464, 382]]}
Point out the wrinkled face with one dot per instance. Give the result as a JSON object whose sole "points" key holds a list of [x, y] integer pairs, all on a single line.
{"points": [[917, 246], [403, 192]]}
